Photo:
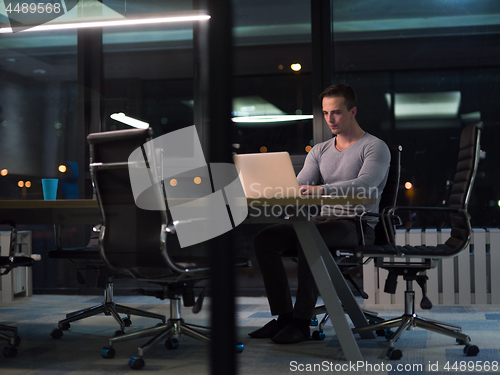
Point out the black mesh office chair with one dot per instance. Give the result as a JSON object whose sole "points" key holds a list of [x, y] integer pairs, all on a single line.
{"points": [[142, 243], [7, 264], [345, 259], [411, 262]]}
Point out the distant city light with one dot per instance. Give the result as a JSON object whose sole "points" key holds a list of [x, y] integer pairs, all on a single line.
{"points": [[408, 185], [296, 67], [62, 168], [4, 172]]}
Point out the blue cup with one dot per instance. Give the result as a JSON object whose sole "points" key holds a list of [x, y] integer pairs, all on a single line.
{"points": [[49, 187]]}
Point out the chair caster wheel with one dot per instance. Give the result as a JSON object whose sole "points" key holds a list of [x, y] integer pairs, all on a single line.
{"points": [[471, 350], [136, 363], [127, 322], [15, 341], [9, 351], [171, 343], [118, 333], [314, 322], [64, 326], [394, 354], [318, 335], [108, 352], [56, 333], [240, 347]]}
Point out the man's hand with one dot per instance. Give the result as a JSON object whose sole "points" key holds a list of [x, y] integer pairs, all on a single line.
{"points": [[311, 190]]}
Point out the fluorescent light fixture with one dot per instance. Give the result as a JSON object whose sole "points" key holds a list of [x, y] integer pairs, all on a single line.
{"points": [[254, 106], [255, 109], [86, 22], [271, 118], [121, 117], [434, 105]]}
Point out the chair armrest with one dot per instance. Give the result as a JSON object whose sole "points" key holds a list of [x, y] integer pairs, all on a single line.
{"points": [[391, 219]]}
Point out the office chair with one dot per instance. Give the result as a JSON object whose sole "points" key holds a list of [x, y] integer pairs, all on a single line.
{"points": [[8, 263], [142, 243], [346, 261], [411, 262], [89, 258]]}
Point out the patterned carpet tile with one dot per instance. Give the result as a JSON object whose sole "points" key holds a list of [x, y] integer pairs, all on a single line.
{"points": [[79, 350]]}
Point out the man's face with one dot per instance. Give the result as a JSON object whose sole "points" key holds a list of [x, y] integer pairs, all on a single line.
{"points": [[337, 116]]}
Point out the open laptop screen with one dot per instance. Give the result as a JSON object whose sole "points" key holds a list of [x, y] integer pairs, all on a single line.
{"points": [[267, 175]]}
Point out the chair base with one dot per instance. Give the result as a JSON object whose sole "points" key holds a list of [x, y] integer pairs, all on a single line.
{"points": [[171, 330], [410, 320], [407, 322], [107, 308], [12, 340], [174, 328], [319, 334]]}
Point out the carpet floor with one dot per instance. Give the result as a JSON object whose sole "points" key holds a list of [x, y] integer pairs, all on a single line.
{"points": [[78, 351]]}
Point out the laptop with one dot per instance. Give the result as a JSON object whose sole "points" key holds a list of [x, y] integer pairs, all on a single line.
{"points": [[267, 175]]}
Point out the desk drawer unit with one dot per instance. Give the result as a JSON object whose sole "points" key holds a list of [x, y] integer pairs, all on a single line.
{"points": [[19, 280]]}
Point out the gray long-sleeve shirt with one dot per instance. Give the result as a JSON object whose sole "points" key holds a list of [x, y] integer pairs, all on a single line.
{"points": [[359, 171]]}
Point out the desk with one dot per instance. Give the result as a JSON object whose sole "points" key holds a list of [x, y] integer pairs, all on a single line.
{"points": [[331, 284], [35, 212]]}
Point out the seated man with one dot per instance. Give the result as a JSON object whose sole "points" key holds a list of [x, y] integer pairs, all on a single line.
{"points": [[352, 163]]}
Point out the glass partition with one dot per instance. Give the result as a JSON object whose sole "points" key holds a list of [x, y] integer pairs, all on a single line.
{"points": [[421, 70], [38, 113]]}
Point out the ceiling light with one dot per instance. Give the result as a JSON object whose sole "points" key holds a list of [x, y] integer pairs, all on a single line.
{"points": [[254, 106], [272, 118], [121, 117], [255, 109], [81, 23], [425, 105]]}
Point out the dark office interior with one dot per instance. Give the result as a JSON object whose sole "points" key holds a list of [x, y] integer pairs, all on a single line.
{"points": [[442, 54], [422, 71]]}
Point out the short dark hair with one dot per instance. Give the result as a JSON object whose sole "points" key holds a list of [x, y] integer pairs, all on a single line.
{"points": [[341, 90]]}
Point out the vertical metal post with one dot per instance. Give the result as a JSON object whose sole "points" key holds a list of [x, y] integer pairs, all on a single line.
{"points": [[218, 131], [322, 61], [90, 77], [200, 74]]}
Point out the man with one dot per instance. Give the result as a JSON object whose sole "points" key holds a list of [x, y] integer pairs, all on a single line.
{"points": [[352, 163]]}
